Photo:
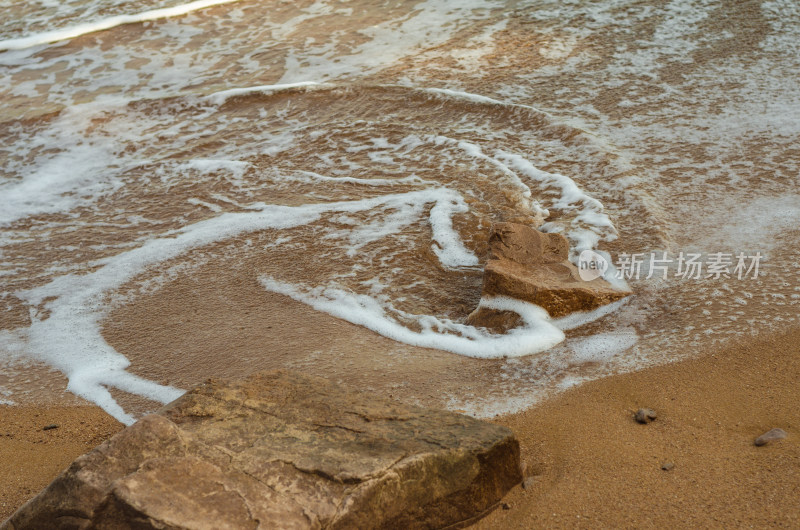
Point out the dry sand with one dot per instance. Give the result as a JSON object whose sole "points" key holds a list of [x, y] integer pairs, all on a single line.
{"points": [[592, 464], [31, 457]]}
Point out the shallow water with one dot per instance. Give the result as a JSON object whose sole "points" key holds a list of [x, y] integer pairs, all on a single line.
{"points": [[310, 185]]}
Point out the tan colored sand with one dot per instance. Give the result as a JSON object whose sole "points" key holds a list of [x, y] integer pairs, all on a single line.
{"points": [[30, 458], [595, 467]]}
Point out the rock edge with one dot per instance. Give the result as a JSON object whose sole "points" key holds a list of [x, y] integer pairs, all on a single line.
{"points": [[283, 447]]}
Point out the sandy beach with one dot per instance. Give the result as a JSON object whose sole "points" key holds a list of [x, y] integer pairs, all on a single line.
{"points": [[588, 463], [31, 457], [215, 188], [594, 466]]}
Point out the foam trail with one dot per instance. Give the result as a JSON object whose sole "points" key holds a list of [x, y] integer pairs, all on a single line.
{"points": [[478, 98], [48, 37], [431, 23], [590, 210], [311, 175], [537, 334], [76, 169], [524, 201], [591, 224], [69, 338], [576, 320], [449, 250], [219, 98]]}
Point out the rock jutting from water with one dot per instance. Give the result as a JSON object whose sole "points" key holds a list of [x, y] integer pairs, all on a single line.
{"points": [[534, 266], [283, 449]]}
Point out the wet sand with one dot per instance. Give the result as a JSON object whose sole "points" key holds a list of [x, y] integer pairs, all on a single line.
{"points": [[592, 464]]}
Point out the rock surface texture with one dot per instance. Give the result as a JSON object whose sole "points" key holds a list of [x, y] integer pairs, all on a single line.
{"points": [[533, 266], [280, 449]]}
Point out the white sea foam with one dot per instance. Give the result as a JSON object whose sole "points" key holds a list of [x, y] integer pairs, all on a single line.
{"points": [[578, 319], [571, 198], [234, 169], [589, 223], [603, 346], [536, 334], [478, 47], [432, 22], [448, 248], [48, 37], [739, 116], [218, 98], [188, 53], [77, 169], [210, 206], [469, 96], [524, 201], [511, 103], [69, 337], [310, 176], [755, 225], [79, 161]]}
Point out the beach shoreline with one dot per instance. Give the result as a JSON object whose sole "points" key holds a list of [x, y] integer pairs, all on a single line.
{"points": [[587, 462], [590, 464]]}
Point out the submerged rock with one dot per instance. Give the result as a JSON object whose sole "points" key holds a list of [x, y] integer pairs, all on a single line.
{"points": [[770, 436], [534, 267], [283, 449]]}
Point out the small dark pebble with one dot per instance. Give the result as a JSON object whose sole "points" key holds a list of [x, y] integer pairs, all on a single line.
{"points": [[50, 427], [505, 506], [645, 415], [667, 466], [770, 436]]}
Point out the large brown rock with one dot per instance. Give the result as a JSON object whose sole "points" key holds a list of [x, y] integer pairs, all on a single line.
{"points": [[284, 450], [533, 266]]}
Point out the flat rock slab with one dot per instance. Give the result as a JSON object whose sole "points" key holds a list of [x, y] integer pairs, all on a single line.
{"points": [[280, 449]]}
